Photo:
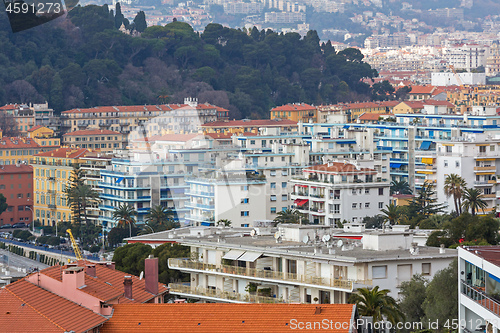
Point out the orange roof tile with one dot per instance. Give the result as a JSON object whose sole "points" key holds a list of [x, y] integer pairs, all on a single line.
{"points": [[142, 108], [438, 103], [16, 142], [92, 132], [64, 313], [252, 123], [224, 317], [8, 169], [294, 107], [340, 168], [422, 89], [370, 116], [17, 316], [64, 153], [219, 136], [34, 128]]}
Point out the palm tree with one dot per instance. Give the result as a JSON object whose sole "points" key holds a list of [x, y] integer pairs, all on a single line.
{"points": [[377, 304], [224, 222], [160, 218], [291, 216], [454, 185], [124, 214], [473, 200], [390, 213], [86, 195], [400, 187]]}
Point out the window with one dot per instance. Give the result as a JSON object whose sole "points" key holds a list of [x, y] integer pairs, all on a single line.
{"points": [[354, 205], [252, 142], [380, 205], [482, 149], [381, 191], [367, 205], [457, 164], [273, 185], [244, 187], [244, 200], [445, 163], [20, 208], [284, 197], [283, 185], [367, 191], [336, 208], [273, 210], [379, 272], [19, 195], [245, 213], [273, 198], [426, 268], [492, 148], [336, 194], [449, 149], [272, 173]]}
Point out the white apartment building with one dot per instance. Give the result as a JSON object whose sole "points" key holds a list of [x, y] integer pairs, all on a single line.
{"points": [[467, 56], [296, 263], [474, 157], [339, 191], [479, 287], [452, 79]]}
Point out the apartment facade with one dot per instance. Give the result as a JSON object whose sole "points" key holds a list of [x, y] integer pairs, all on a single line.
{"points": [[98, 139], [16, 185], [296, 112]]}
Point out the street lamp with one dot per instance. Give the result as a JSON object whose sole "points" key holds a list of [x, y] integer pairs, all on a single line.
{"points": [[149, 228], [32, 217]]}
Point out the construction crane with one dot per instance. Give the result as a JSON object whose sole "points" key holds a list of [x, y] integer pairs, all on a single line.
{"points": [[457, 77], [76, 249]]}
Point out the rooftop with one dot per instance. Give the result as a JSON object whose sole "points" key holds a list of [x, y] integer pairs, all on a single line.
{"points": [[221, 317], [64, 153], [488, 253], [20, 168], [92, 132], [340, 168], [252, 123]]}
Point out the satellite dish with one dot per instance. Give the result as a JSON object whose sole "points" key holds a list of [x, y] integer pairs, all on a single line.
{"points": [[305, 240], [276, 235], [340, 243], [325, 238], [253, 232]]}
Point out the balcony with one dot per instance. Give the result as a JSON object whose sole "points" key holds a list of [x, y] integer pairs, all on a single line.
{"points": [[261, 274], [480, 297], [219, 295]]}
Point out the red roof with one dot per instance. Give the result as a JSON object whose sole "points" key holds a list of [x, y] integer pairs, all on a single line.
{"points": [[422, 89], [10, 107], [22, 168], [488, 253], [370, 116], [64, 153], [252, 123], [414, 104], [340, 168], [92, 132], [57, 310], [294, 107], [16, 142], [34, 128], [439, 103], [226, 317], [142, 108], [219, 136]]}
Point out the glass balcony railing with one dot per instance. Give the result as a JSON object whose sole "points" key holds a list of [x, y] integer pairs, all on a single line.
{"points": [[477, 294], [223, 295], [265, 274]]}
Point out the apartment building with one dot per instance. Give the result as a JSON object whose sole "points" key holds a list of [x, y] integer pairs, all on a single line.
{"points": [[16, 185], [295, 112], [296, 263], [467, 56], [98, 139], [45, 137], [15, 150], [246, 126], [27, 116], [52, 172], [478, 289]]}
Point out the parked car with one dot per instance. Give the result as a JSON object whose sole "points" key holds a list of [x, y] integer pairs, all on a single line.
{"points": [[6, 226], [19, 225]]}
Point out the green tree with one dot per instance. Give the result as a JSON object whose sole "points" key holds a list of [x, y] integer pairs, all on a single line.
{"points": [[377, 304], [140, 21], [390, 213], [412, 298], [454, 186], [124, 215], [73, 200], [130, 258], [290, 216], [424, 202], [116, 235], [400, 187], [119, 18], [163, 253], [160, 218], [441, 296], [3, 203], [473, 200], [224, 222]]}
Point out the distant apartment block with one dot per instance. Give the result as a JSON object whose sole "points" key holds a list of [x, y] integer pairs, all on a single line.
{"points": [[246, 8], [98, 139], [284, 17], [452, 79], [467, 56]]}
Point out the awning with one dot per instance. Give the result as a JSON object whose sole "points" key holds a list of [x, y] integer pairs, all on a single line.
{"points": [[119, 180], [302, 185], [427, 160], [250, 256], [302, 202], [425, 145], [345, 126], [233, 254], [395, 165]]}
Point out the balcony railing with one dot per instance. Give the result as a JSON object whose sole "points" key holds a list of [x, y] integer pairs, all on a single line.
{"points": [[480, 297], [263, 274], [224, 295]]}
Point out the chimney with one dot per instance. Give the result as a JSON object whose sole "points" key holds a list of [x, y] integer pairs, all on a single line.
{"points": [[110, 265], [151, 274], [73, 277], [91, 270], [127, 286], [441, 249]]}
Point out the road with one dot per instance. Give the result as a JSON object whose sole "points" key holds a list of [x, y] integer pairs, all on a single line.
{"points": [[14, 260], [46, 248]]}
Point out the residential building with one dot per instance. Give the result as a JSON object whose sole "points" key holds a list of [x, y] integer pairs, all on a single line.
{"points": [[52, 172], [421, 93], [15, 150], [296, 263], [295, 112], [98, 139], [249, 126], [408, 107], [16, 185], [335, 192], [23, 116], [467, 56], [284, 17], [478, 287], [44, 136], [458, 79]]}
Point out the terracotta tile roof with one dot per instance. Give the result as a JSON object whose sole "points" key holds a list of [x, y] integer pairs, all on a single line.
{"points": [[422, 89], [252, 123], [219, 136], [488, 253], [142, 108], [439, 103], [224, 317], [294, 107], [10, 106], [22, 168], [91, 132], [15, 142], [60, 311], [108, 284], [64, 153], [370, 116], [414, 104], [340, 168], [34, 128], [17, 316]]}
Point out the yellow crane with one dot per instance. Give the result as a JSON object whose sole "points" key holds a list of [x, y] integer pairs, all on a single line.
{"points": [[76, 249]]}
